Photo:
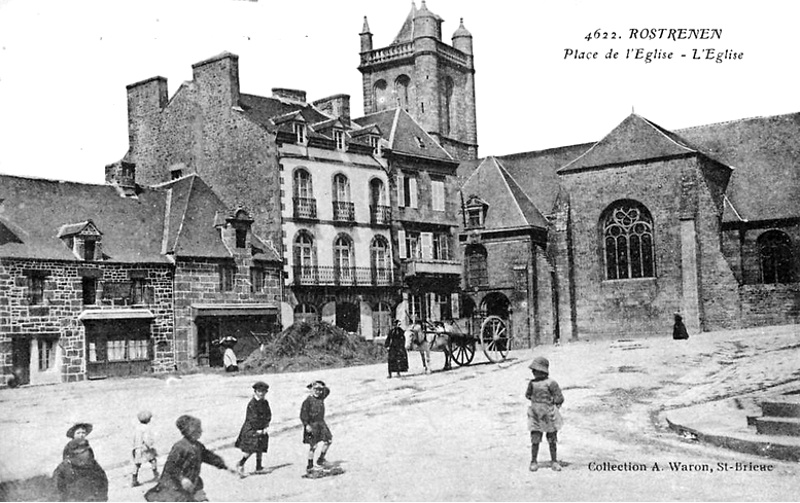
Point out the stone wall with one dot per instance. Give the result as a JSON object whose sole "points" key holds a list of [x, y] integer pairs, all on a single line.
{"points": [[63, 303]]}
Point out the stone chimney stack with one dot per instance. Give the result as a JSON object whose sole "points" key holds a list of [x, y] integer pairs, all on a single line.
{"points": [[283, 93], [218, 78], [337, 105], [146, 99], [122, 175]]}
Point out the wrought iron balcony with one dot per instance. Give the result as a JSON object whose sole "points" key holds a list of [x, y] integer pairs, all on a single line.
{"points": [[305, 207], [344, 211], [343, 276], [380, 215]]}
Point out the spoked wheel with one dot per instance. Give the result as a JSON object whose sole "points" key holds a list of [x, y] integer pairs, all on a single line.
{"points": [[462, 350], [495, 338]]}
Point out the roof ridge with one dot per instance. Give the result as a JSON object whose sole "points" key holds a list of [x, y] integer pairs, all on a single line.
{"points": [[663, 132], [743, 119], [394, 126]]}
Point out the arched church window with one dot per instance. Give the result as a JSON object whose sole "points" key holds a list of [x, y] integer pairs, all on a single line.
{"points": [[775, 252], [477, 272], [628, 241], [401, 91], [381, 95]]}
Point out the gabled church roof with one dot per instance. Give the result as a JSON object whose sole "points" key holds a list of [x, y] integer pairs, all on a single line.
{"points": [[509, 206], [634, 140], [404, 134]]}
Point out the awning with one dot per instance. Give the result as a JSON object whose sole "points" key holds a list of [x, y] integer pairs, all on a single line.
{"points": [[234, 310], [115, 314]]}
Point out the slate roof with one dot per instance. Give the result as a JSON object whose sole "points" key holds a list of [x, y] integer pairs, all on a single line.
{"points": [[35, 210], [262, 110], [509, 206], [635, 139], [764, 153], [404, 134]]}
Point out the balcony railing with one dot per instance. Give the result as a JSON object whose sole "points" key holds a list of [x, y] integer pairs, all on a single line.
{"points": [[305, 207], [380, 215], [344, 276], [344, 211], [416, 267]]}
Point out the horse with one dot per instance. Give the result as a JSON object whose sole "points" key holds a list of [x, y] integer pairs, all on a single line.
{"points": [[425, 341]]}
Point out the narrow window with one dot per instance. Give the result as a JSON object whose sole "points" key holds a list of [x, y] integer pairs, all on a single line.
{"points": [[241, 238], [36, 289], [775, 250], [89, 291], [477, 273], [137, 291], [88, 249], [256, 279], [47, 354], [338, 137], [299, 132], [226, 273]]}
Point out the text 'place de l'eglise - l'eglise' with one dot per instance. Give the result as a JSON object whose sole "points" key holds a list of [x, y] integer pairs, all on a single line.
{"points": [[233, 214]]}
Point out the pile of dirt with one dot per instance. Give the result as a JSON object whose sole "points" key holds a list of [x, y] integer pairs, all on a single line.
{"points": [[309, 346]]}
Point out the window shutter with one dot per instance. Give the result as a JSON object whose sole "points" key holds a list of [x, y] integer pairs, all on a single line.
{"points": [[412, 187], [454, 305], [437, 194], [400, 193], [427, 245], [401, 238]]}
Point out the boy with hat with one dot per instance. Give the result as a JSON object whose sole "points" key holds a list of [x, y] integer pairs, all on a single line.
{"points": [[144, 450], [543, 415], [180, 480], [315, 430], [253, 437], [79, 477]]}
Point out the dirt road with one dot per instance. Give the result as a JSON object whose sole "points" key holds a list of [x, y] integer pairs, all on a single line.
{"points": [[458, 435]]}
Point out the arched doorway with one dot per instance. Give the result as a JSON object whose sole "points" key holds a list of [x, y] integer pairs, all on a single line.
{"points": [[496, 304], [305, 313], [347, 316]]}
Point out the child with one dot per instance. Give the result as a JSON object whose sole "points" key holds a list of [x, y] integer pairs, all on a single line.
{"points": [[312, 414], [144, 450], [543, 415], [679, 331], [79, 477], [253, 437], [180, 480], [76, 432]]}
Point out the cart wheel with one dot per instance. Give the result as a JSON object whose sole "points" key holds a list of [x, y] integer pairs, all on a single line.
{"points": [[495, 338], [462, 350]]}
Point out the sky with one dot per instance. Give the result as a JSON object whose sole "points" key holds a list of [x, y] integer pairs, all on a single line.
{"points": [[64, 65]]}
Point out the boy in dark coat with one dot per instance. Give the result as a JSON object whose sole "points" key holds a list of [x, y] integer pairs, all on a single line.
{"points": [[315, 430], [180, 480], [396, 342], [79, 477], [253, 437]]}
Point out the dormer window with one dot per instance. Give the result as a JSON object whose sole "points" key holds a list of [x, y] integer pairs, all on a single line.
{"points": [[84, 239], [89, 249], [475, 210], [176, 173], [338, 137], [299, 132], [375, 142]]}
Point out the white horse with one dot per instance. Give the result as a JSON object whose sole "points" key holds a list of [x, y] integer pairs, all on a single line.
{"points": [[435, 338]]}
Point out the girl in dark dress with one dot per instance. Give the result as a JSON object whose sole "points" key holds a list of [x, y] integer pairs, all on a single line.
{"points": [[396, 342], [79, 477], [253, 437], [315, 430], [180, 480], [679, 329]]}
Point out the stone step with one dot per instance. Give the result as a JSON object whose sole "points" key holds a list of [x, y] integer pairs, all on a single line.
{"points": [[783, 406], [778, 426]]}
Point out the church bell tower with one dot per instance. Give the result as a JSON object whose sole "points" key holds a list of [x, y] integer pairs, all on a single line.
{"points": [[432, 81]]}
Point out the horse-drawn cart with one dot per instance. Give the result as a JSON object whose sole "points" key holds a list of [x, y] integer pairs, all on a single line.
{"points": [[459, 339]]}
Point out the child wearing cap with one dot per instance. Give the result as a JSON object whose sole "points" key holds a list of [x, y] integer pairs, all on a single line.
{"points": [[315, 430], [543, 414], [253, 437], [144, 450], [180, 480], [79, 477]]}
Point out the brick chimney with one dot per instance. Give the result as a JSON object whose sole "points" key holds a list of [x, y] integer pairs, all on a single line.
{"points": [[218, 78], [289, 94], [337, 105]]}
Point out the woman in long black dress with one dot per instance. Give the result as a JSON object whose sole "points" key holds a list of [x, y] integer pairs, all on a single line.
{"points": [[396, 342]]}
